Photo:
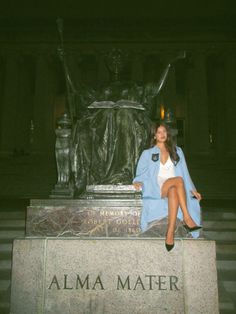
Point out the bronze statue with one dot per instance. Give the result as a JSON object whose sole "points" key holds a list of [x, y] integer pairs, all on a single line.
{"points": [[109, 137]]}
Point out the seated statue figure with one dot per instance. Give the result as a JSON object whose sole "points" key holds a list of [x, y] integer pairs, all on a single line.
{"points": [[109, 137], [108, 140]]}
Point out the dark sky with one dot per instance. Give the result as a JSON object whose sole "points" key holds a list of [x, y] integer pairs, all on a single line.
{"points": [[104, 8]]}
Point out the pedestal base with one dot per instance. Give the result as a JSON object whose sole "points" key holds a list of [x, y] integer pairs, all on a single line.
{"points": [[71, 275], [62, 191]]}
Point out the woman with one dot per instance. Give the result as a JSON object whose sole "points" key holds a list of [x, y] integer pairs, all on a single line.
{"points": [[166, 185]]}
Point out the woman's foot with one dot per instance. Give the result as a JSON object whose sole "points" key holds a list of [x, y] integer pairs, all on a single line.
{"points": [[169, 243], [190, 225]]}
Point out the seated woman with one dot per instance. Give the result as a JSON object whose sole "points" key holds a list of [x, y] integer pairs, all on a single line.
{"points": [[163, 176]]}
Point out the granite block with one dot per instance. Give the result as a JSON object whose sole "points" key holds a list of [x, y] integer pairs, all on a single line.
{"points": [[114, 275], [200, 267], [28, 267], [107, 264]]}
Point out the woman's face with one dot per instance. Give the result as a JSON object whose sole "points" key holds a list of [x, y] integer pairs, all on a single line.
{"points": [[161, 134]]}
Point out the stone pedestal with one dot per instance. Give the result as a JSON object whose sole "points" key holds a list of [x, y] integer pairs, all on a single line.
{"points": [[98, 217], [93, 217], [71, 275]]}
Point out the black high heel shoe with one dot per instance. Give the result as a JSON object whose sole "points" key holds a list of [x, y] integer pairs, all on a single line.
{"points": [[169, 247], [190, 229]]}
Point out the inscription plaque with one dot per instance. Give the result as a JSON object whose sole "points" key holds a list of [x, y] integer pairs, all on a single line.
{"points": [[84, 218]]}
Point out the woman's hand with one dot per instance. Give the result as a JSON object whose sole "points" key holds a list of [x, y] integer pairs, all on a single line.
{"points": [[138, 186], [197, 195]]}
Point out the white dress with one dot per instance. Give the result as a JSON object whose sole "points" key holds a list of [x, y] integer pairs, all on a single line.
{"points": [[166, 171]]}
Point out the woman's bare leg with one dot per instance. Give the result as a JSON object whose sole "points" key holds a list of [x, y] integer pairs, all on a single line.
{"points": [[173, 204], [178, 183]]}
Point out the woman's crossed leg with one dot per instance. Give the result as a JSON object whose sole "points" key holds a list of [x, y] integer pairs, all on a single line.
{"points": [[174, 190]]}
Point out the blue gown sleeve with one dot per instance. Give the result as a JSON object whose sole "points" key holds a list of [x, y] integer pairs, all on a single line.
{"points": [[187, 176], [142, 168]]}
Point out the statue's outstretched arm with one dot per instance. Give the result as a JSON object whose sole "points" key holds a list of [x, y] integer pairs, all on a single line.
{"points": [[62, 57], [70, 87], [153, 89]]}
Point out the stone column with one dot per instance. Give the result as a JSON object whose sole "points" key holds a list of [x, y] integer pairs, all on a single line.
{"points": [[197, 128], [25, 104], [2, 81], [9, 105], [43, 107], [218, 106], [229, 106]]}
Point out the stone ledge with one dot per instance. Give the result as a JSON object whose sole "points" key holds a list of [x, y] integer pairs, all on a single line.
{"points": [[92, 218]]}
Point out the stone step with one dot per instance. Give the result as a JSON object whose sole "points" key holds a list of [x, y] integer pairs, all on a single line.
{"points": [[225, 248], [5, 297], [218, 214], [11, 234], [4, 307], [5, 274], [226, 256], [224, 274], [223, 216], [219, 225], [5, 247], [5, 265], [5, 255], [4, 284], [230, 286], [226, 303], [227, 307], [7, 215], [5, 251], [226, 265], [10, 223], [219, 235], [6, 241], [10, 229]]}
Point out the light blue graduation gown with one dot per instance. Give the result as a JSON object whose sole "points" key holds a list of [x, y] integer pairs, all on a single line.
{"points": [[155, 207]]}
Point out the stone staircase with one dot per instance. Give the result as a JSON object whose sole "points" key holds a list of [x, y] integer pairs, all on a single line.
{"points": [[219, 222], [12, 225]]}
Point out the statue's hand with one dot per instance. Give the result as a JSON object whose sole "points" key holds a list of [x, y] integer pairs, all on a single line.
{"points": [[138, 186]]}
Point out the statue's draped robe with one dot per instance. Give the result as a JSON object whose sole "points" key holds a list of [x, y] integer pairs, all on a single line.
{"points": [[107, 142]]}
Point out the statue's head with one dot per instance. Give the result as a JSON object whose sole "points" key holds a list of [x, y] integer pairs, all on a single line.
{"points": [[107, 93]]}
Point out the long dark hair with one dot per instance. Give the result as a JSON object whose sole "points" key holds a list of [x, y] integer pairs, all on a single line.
{"points": [[169, 143]]}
